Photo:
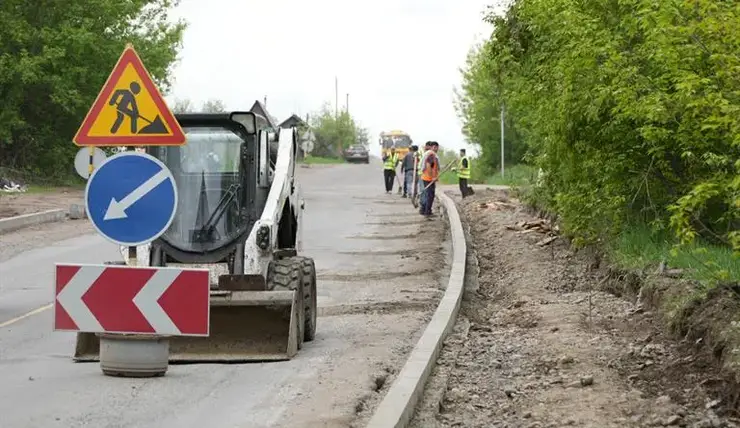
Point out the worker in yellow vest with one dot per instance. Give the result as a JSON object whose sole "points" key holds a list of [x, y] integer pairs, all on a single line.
{"points": [[463, 174], [419, 154], [390, 162]]}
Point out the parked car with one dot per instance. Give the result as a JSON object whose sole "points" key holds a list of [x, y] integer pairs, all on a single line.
{"points": [[357, 153]]}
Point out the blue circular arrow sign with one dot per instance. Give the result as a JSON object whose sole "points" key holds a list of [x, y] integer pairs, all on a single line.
{"points": [[131, 198]]}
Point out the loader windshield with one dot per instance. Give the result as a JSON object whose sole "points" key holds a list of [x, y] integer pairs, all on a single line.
{"points": [[211, 189]]}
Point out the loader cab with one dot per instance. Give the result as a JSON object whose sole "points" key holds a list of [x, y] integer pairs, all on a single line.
{"points": [[218, 176]]}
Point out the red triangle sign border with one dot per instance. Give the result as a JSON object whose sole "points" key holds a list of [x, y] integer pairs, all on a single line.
{"points": [[129, 56]]}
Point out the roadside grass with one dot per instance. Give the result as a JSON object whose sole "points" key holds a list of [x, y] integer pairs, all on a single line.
{"points": [[516, 175], [700, 301], [448, 177], [639, 248], [38, 183], [322, 160], [37, 189]]}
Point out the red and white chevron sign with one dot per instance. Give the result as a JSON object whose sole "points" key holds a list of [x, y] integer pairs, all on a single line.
{"points": [[136, 300]]}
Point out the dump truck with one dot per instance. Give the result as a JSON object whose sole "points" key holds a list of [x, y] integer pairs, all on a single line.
{"points": [[240, 215], [399, 140]]}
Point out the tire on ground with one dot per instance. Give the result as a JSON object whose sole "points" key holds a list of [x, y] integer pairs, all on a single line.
{"points": [[310, 297], [287, 274]]}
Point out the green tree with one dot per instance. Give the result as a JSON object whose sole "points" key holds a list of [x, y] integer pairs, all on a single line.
{"points": [[213, 106], [335, 133], [55, 57], [478, 103], [184, 105], [363, 136], [631, 108]]}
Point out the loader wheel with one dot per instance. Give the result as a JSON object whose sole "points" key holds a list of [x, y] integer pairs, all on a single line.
{"points": [[309, 297], [285, 275]]}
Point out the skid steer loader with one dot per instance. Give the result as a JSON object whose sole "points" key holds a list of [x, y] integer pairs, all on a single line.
{"points": [[240, 215]]}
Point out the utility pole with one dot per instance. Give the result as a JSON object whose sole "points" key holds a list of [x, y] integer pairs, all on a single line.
{"points": [[336, 98], [347, 103], [502, 141]]}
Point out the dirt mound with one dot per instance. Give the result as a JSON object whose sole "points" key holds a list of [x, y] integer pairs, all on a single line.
{"points": [[548, 346], [12, 204]]}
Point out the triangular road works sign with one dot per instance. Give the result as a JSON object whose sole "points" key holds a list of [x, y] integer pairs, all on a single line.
{"points": [[129, 110]]}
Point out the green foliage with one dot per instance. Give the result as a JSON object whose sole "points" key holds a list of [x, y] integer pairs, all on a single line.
{"points": [[630, 107], [479, 106], [55, 57], [514, 175], [640, 247], [448, 177], [334, 133], [447, 156]]}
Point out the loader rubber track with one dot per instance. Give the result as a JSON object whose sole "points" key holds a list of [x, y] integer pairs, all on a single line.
{"points": [[309, 297], [285, 275]]}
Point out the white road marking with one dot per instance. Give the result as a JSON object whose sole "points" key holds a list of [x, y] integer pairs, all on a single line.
{"points": [[26, 315]]}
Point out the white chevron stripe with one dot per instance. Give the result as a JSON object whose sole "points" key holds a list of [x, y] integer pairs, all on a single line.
{"points": [[146, 301], [70, 298]]}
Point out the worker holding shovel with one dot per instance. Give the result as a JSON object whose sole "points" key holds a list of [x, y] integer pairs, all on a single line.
{"points": [[418, 194], [425, 186], [126, 106], [429, 177], [125, 101]]}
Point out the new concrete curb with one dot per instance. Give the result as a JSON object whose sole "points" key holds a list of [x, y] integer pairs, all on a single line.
{"points": [[397, 407], [21, 221]]}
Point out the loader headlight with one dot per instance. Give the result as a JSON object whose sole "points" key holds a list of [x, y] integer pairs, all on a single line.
{"points": [[263, 237]]}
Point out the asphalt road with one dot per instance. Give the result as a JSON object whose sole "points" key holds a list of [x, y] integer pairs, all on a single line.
{"points": [[378, 283]]}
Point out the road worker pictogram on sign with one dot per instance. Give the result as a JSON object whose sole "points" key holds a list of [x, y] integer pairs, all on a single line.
{"points": [[129, 111]]}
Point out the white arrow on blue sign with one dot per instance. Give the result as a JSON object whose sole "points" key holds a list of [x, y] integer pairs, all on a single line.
{"points": [[131, 198]]}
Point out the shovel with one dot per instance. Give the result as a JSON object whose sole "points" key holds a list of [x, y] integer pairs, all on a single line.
{"points": [[155, 126], [415, 182], [415, 199]]}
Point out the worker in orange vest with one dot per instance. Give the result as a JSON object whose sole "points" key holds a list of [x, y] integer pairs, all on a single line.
{"points": [[429, 176]]}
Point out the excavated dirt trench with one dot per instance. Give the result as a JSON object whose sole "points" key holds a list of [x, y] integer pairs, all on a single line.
{"points": [[539, 344]]}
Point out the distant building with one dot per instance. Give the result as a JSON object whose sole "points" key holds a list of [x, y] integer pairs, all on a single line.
{"points": [[260, 108], [300, 124], [294, 120]]}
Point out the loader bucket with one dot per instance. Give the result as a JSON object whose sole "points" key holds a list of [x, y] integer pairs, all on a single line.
{"points": [[245, 326]]}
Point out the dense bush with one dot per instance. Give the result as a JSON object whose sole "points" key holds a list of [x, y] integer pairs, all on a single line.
{"points": [[630, 107]]}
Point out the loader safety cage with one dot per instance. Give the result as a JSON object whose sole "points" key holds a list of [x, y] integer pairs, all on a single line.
{"points": [[216, 181]]}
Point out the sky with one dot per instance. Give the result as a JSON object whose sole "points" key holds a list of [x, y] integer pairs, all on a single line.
{"points": [[397, 59]]}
